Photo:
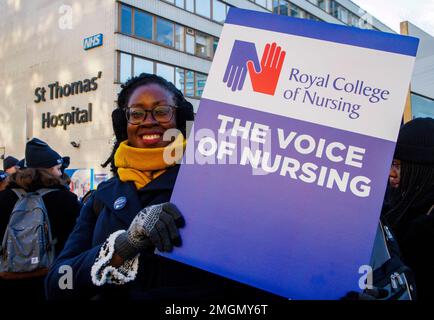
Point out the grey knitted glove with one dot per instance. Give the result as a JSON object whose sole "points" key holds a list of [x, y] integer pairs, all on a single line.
{"points": [[155, 225]]}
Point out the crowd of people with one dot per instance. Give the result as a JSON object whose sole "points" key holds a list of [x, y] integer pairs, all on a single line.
{"points": [[108, 241]]}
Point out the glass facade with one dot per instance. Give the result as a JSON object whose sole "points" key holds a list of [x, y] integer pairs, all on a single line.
{"points": [[204, 45], [286, 8], [142, 66], [421, 107], [217, 10], [267, 4], [191, 83], [165, 32], [143, 24], [126, 19], [211, 9], [179, 37], [203, 8], [166, 71], [158, 30], [125, 66]]}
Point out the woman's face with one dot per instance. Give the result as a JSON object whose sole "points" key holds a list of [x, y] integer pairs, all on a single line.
{"points": [[149, 134], [56, 170], [395, 173]]}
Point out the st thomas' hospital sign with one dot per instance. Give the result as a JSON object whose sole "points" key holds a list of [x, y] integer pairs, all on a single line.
{"points": [[56, 91]]}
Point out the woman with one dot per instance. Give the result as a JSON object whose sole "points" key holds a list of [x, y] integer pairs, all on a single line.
{"points": [[409, 209], [100, 251], [42, 172]]}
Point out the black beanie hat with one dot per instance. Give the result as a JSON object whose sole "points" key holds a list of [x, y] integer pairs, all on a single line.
{"points": [[22, 163], [416, 141], [3, 175], [9, 162], [40, 155], [65, 163]]}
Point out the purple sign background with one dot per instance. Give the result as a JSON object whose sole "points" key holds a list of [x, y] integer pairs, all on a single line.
{"points": [[295, 239]]}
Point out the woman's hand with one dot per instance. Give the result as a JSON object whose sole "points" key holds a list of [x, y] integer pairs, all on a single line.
{"points": [[155, 225]]}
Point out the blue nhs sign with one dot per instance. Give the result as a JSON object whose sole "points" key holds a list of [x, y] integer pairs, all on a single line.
{"points": [[92, 42]]}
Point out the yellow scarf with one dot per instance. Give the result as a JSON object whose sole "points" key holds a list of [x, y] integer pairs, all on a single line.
{"points": [[142, 165]]}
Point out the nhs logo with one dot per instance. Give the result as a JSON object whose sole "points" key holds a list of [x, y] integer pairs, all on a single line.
{"points": [[93, 41]]}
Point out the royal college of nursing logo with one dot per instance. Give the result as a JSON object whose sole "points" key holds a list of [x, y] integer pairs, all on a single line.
{"points": [[264, 76]]}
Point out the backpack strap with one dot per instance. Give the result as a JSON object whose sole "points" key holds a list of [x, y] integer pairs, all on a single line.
{"points": [[42, 192], [21, 193]]}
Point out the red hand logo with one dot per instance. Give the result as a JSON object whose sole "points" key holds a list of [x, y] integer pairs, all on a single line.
{"points": [[265, 80]]}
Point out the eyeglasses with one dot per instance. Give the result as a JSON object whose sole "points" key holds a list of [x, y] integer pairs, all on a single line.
{"points": [[137, 115]]}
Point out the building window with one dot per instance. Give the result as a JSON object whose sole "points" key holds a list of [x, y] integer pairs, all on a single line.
{"points": [[283, 8], [125, 67], [126, 19], [142, 66], [421, 106], [343, 14], [203, 7], [204, 45], [189, 5], [338, 12], [179, 79], [218, 11], [276, 6], [153, 28], [296, 11], [189, 43], [143, 24], [211, 9], [164, 32], [166, 71], [200, 83], [215, 44], [353, 20], [323, 5], [191, 83], [267, 4], [179, 37]]}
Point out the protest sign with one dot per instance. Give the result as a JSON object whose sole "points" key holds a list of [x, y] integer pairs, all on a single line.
{"points": [[286, 168]]}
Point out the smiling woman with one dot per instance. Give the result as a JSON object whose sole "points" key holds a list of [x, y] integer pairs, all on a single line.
{"points": [[115, 244]]}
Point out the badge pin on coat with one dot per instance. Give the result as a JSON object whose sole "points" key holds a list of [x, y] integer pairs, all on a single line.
{"points": [[120, 203]]}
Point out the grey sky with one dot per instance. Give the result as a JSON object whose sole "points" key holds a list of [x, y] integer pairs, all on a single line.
{"points": [[392, 12]]}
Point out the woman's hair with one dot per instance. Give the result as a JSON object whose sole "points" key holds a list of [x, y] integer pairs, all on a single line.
{"points": [[184, 110], [35, 178], [416, 181], [66, 178]]}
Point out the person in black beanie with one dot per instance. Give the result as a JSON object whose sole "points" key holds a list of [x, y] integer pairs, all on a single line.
{"points": [[40, 155], [42, 170], [10, 165], [410, 209]]}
